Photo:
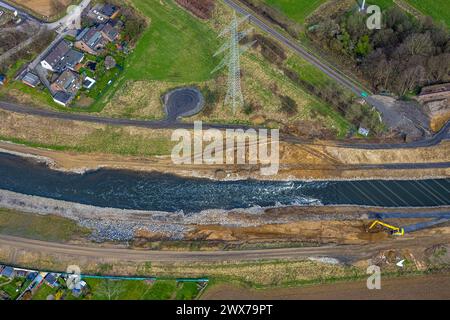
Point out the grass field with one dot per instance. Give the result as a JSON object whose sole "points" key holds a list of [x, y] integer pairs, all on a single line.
{"points": [[140, 290], [383, 4], [46, 228], [297, 10], [176, 47], [439, 10]]}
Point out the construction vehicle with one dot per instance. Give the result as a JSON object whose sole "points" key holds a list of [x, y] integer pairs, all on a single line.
{"points": [[395, 231]]}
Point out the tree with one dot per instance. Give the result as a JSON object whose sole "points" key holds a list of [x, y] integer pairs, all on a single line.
{"points": [[109, 290], [418, 44], [363, 47]]}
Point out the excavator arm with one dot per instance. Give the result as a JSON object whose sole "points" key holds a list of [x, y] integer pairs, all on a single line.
{"points": [[396, 231]]}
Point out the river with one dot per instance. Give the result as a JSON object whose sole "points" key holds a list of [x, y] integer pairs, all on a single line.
{"points": [[162, 192]]}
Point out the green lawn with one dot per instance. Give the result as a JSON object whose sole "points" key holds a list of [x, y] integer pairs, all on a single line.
{"points": [[176, 46], [439, 10], [297, 10], [383, 4], [14, 287], [131, 290], [44, 291]]}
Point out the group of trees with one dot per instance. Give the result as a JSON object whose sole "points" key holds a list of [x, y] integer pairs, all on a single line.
{"points": [[201, 8], [39, 44], [134, 22], [401, 57], [10, 39]]}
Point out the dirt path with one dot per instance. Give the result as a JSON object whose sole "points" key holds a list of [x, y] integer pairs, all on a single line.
{"points": [[418, 287], [97, 253], [295, 164]]}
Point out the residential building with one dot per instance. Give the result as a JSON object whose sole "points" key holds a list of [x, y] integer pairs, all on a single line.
{"points": [[68, 82], [51, 279], [102, 13], [63, 98], [109, 32], [31, 80], [8, 272], [62, 56], [91, 40]]}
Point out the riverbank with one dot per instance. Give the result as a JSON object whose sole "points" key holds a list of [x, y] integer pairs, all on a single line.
{"points": [[284, 225], [297, 162]]}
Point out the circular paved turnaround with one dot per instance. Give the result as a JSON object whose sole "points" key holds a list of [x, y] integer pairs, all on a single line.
{"points": [[183, 102]]}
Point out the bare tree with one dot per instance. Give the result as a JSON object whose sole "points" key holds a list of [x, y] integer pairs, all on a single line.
{"points": [[109, 290]]}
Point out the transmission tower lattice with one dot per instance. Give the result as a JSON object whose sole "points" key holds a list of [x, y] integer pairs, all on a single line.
{"points": [[233, 49]]}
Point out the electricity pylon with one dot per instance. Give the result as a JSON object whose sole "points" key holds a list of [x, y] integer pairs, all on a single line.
{"points": [[232, 60]]}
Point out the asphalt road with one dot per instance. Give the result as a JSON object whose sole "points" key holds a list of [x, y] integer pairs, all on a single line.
{"points": [[345, 253], [13, 107]]}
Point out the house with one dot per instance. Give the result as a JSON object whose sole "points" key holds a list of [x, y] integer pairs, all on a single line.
{"points": [[68, 82], [62, 56], [30, 79], [2, 79], [8, 272], [51, 279], [91, 40], [63, 98], [109, 31], [102, 13]]}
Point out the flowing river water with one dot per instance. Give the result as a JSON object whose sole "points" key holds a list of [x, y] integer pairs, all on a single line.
{"points": [[162, 192]]}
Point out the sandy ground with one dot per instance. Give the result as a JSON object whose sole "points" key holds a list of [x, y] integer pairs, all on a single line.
{"points": [[419, 287], [297, 162], [44, 7]]}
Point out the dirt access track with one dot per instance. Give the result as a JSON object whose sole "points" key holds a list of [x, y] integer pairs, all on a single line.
{"points": [[45, 8]]}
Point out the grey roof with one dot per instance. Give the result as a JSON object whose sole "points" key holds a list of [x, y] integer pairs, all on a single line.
{"points": [[57, 52], [31, 79], [67, 80], [62, 97], [8, 271], [91, 36], [110, 31], [108, 10], [69, 60], [50, 278]]}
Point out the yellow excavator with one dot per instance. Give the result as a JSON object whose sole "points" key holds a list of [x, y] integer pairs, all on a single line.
{"points": [[396, 231]]}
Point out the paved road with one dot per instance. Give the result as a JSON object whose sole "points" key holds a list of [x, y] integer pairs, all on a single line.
{"points": [[104, 120], [13, 107], [66, 20], [69, 18], [20, 12], [345, 253]]}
